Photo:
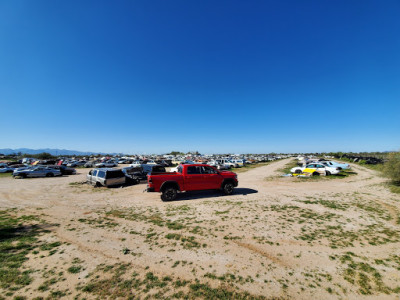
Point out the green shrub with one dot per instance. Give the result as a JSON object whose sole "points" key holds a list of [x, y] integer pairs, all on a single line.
{"points": [[391, 168]]}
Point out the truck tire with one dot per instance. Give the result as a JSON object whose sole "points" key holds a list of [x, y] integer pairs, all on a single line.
{"points": [[227, 188], [169, 194]]}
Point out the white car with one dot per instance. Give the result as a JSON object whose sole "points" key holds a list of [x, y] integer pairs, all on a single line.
{"points": [[187, 162], [136, 164], [106, 164], [238, 162], [226, 163], [218, 164], [335, 164], [319, 168]]}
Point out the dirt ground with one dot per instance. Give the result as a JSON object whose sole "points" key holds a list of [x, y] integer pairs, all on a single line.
{"points": [[276, 237]]}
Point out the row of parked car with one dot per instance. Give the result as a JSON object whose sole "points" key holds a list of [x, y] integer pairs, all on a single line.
{"points": [[26, 170], [10, 167], [319, 167], [138, 170], [43, 171], [220, 164]]}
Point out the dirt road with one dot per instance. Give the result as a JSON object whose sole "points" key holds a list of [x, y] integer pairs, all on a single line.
{"points": [[275, 237]]}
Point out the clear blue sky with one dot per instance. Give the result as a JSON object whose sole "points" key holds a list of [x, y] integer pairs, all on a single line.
{"points": [[212, 76]]}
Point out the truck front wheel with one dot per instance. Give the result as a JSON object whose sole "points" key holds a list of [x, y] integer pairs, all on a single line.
{"points": [[169, 194], [227, 188]]}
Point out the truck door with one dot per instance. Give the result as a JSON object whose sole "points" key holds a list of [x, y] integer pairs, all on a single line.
{"points": [[193, 178], [211, 178]]}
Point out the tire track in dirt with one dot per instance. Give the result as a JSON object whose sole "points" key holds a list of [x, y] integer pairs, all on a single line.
{"points": [[255, 249]]}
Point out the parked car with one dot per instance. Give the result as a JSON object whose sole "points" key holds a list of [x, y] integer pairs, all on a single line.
{"points": [[135, 171], [238, 162], [6, 169], [316, 169], [134, 174], [89, 164], [72, 164], [162, 163], [335, 164], [185, 162], [47, 162], [191, 178], [227, 163], [106, 164], [219, 165], [64, 170], [36, 172], [105, 177], [152, 168], [136, 164]]}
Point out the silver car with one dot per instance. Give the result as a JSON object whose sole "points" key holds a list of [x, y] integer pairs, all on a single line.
{"points": [[36, 172], [6, 169], [106, 164], [105, 177]]}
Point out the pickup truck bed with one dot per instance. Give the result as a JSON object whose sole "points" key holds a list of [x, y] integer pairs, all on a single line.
{"points": [[191, 177]]}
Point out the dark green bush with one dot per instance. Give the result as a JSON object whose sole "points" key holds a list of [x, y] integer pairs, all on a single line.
{"points": [[391, 168]]}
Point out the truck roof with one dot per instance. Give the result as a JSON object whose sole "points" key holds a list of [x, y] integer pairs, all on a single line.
{"points": [[196, 165]]}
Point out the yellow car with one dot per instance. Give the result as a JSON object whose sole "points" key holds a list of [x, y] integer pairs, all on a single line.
{"points": [[308, 172]]}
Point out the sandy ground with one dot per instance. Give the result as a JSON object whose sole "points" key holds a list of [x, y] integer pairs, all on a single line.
{"points": [[275, 237]]}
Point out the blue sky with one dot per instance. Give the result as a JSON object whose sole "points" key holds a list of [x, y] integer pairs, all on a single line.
{"points": [[212, 76]]}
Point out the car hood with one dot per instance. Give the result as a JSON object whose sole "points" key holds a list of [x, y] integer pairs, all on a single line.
{"points": [[227, 173]]}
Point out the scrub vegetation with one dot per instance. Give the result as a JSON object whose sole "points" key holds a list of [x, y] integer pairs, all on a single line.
{"points": [[324, 239], [391, 170]]}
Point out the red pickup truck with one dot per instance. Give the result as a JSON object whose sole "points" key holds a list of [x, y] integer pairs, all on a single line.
{"points": [[193, 177]]}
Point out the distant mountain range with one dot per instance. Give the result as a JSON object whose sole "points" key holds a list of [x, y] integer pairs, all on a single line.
{"points": [[51, 151]]}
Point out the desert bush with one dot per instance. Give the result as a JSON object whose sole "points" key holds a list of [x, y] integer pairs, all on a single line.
{"points": [[391, 168]]}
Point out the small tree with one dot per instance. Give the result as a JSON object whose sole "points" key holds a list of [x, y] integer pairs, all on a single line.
{"points": [[175, 153], [44, 155], [392, 167]]}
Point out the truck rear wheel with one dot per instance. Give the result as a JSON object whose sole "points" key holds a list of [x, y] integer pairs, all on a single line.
{"points": [[227, 188], [169, 194]]}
